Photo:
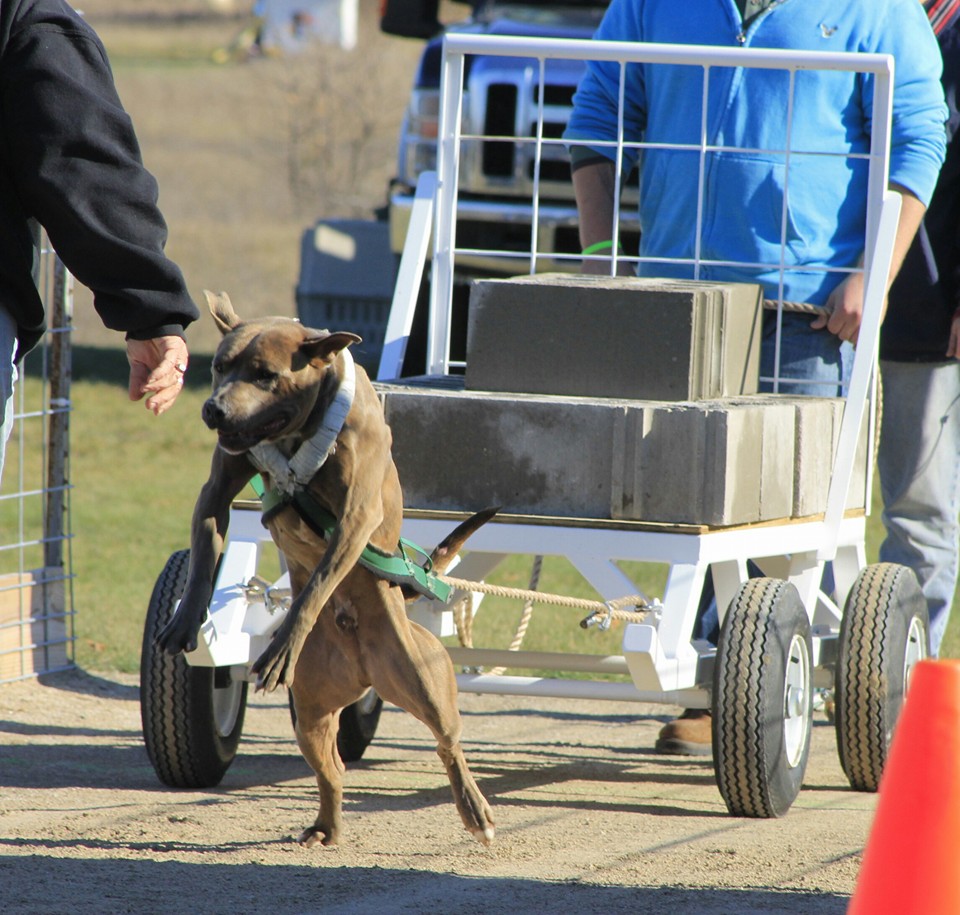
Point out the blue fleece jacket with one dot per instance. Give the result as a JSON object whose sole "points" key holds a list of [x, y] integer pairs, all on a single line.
{"points": [[743, 196]]}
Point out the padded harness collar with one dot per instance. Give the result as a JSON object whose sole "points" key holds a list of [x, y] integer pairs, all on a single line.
{"points": [[290, 475]]}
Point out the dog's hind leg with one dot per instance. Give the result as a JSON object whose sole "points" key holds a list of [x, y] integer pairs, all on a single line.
{"points": [[326, 681], [409, 667], [317, 739]]}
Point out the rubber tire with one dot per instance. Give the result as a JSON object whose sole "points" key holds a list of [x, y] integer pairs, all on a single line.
{"points": [[358, 724], [180, 705], [760, 750], [885, 629]]}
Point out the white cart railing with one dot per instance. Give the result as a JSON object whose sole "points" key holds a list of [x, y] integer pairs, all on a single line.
{"points": [[661, 655]]}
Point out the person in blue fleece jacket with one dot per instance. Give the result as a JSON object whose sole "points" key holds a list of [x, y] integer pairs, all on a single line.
{"points": [[752, 209]]}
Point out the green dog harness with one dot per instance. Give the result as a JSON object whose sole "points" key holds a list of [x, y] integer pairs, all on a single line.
{"points": [[291, 477], [398, 568]]}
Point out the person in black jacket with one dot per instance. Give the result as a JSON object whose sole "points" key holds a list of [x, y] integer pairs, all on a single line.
{"points": [[919, 453], [70, 162]]}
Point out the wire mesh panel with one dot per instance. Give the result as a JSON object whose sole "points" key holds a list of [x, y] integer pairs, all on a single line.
{"points": [[36, 600], [790, 281], [520, 156]]}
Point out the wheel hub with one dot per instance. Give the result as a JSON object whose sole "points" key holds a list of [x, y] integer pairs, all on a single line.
{"points": [[226, 706], [796, 700]]}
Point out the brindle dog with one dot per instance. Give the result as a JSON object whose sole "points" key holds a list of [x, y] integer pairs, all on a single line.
{"points": [[273, 381]]}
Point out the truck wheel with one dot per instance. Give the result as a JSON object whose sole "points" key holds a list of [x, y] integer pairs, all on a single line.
{"points": [[192, 716], [358, 724], [763, 699], [884, 632]]}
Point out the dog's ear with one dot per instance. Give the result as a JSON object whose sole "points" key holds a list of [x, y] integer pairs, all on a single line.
{"points": [[327, 345], [222, 310]]}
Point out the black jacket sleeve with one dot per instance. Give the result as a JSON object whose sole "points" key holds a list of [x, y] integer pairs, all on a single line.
{"points": [[74, 163], [926, 291]]}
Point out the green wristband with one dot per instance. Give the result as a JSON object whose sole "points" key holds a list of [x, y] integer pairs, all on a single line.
{"points": [[598, 246]]}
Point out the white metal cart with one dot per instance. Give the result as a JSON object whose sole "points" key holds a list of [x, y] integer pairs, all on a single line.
{"points": [[782, 637]]}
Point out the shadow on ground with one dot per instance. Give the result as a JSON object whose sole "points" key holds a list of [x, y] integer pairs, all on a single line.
{"points": [[334, 890]]}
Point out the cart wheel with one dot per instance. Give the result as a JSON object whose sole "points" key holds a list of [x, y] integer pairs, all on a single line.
{"points": [[358, 724], [884, 632], [763, 699], [192, 716]]}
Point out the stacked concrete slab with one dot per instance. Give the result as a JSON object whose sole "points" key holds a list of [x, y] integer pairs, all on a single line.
{"points": [[653, 339], [615, 398], [715, 463]]}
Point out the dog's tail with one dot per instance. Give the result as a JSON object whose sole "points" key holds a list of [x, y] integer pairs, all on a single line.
{"points": [[443, 553]]}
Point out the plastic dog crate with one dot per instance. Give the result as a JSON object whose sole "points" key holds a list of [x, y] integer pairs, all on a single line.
{"points": [[347, 277]]}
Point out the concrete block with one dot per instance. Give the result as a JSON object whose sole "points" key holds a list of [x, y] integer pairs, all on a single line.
{"points": [[460, 450], [717, 463], [776, 462], [676, 469], [622, 337], [817, 423], [813, 470]]}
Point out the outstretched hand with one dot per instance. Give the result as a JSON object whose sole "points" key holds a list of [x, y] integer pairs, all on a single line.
{"points": [[156, 370]]}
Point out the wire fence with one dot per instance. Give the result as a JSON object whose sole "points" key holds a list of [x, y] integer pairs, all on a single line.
{"points": [[36, 568]]}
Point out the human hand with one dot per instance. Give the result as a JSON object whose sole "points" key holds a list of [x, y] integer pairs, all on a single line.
{"points": [[845, 307], [156, 369], [953, 346]]}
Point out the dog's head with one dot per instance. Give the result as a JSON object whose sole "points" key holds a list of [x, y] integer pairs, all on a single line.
{"points": [[268, 376]]}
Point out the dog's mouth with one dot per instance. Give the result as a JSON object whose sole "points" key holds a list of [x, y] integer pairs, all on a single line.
{"points": [[237, 441]]}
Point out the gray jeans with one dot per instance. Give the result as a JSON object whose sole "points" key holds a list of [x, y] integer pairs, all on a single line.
{"points": [[919, 466]]}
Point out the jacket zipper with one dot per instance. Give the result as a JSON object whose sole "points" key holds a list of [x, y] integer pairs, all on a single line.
{"points": [[742, 35]]}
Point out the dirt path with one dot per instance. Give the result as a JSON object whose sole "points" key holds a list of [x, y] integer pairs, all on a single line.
{"points": [[589, 818]]}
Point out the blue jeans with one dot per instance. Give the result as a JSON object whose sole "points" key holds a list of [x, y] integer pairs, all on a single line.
{"points": [[816, 357], [822, 364], [8, 377], [919, 467]]}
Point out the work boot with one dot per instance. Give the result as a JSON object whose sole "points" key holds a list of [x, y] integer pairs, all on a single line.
{"points": [[688, 735]]}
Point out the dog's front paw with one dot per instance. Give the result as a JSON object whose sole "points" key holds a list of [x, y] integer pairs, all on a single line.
{"points": [[180, 634], [276, 665]]}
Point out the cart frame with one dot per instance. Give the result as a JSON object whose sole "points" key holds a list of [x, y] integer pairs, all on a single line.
{"points": [[782, 637], [665, 662]]}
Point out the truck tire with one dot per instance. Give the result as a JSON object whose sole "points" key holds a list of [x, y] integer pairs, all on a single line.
{"points": [[884, 632], [762, 699], [358, 724], [192, 716]]}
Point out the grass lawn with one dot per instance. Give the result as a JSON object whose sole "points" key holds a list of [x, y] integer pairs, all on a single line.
{"points": [[135, 481]]}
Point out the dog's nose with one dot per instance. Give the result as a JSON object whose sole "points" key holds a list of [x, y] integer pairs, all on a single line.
{"points": [[212, 413]]}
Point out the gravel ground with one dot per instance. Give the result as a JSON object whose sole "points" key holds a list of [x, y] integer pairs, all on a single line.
{"points": [[589, 819]]}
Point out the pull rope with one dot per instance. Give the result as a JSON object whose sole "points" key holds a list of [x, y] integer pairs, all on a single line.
{"points": [[602, 612], [771, 305], [463, 617]]}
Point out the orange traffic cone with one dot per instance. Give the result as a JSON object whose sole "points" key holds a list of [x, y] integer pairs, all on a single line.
{"points": [[910, 862]]}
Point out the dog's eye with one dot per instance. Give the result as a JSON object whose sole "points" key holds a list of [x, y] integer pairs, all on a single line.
{"points": [[265, 376]]}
